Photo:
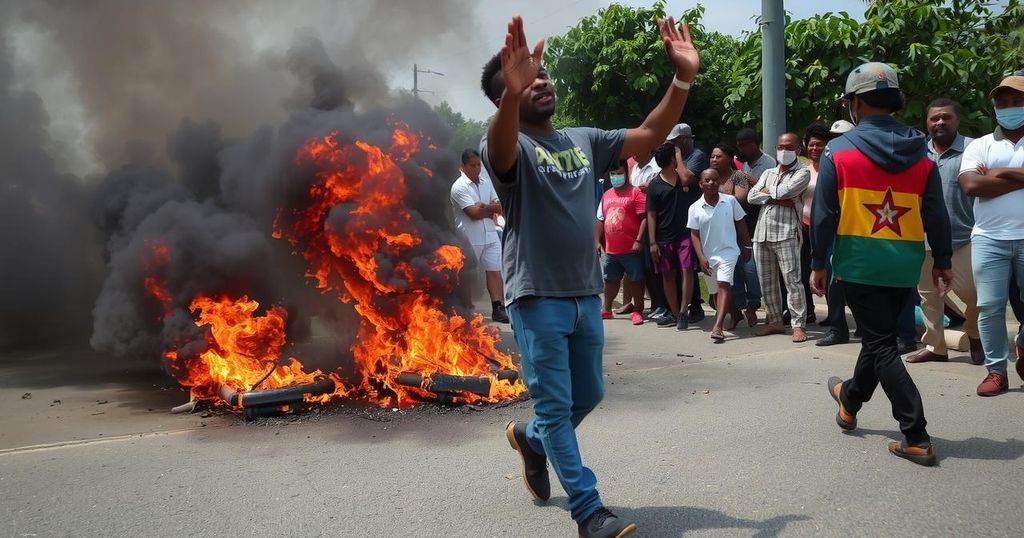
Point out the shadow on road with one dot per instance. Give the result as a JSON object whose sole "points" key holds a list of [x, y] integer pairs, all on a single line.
{"points": [[972, 448], [678, 520]]}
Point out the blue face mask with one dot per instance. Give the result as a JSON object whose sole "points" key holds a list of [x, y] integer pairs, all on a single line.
{"points": [[1010, 118], [617, 180]]}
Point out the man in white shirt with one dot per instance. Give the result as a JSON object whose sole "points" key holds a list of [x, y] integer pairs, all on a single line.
{"points": [[992, 170], [715, 221], [475, 204]]}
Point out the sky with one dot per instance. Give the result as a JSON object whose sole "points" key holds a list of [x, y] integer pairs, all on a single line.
{"points": [[460, 85], [116, 70]]}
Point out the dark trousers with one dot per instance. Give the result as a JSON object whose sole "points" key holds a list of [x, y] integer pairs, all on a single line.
{"points": [[907, 326], [876, 310], [836, 300], [805, 272]]}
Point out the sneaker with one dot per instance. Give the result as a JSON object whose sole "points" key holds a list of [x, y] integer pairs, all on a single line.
{"points": [[994, 384], [919, 454], [682, 323], [607, 314], [668, 320], [657, 313], [604, 524], [637, 318], [498, 315], [535, 466]]}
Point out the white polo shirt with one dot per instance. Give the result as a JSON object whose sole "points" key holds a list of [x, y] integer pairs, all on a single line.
{"points": [[1001, 217], [717, 226], [465, 193]]}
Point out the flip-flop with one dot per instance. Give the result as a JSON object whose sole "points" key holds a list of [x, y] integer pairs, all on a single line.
{"points": [[717, 336]]}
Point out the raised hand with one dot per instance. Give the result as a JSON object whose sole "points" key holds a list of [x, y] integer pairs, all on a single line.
{"points": [[678, 47], [519, 67]]}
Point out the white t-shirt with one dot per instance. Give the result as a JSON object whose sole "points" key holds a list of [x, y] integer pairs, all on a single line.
{"points": [[717, 226], [1002, 217], [466, 193], [643, 174]]}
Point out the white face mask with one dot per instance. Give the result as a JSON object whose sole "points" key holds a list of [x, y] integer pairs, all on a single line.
{"points": [[785, 157]]}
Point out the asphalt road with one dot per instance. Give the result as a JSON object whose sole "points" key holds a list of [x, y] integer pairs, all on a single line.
{"points": [[693, 438]]}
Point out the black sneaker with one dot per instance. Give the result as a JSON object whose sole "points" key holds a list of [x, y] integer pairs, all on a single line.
{"points": [[668, 320], [498, 315], [682, 323], [535, 466], [604, 524], [657, 313], [832, 338]]}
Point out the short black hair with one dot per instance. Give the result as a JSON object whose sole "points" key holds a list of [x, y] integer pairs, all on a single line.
{"points": [[726, 149], [939, 102], [746, 134], [468, 154], [490, 80], [664, 154], [886, 98], [817, 130]]}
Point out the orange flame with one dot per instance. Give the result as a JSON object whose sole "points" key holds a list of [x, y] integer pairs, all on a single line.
{"points": [[404, 327]]}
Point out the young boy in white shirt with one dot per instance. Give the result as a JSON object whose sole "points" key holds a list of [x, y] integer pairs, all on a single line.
{"points": [[715, 221]]}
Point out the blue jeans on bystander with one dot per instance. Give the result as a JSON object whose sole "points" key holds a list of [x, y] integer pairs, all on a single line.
{"points": [[993, 261]]}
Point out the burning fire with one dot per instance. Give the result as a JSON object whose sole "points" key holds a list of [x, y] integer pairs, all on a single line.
{"points": [[358, 238]]}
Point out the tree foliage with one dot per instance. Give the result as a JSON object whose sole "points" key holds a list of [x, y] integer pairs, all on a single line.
{"points": [[610, 70], [959, 49], [466, 133]]}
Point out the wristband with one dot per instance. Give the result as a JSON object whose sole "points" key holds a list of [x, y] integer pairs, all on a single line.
{"points": [[680, 84]]}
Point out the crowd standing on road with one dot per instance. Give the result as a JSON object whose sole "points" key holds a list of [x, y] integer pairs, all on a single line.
{"points": [[871, 214]]}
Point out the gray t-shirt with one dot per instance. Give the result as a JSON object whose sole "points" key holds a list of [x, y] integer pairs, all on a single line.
{"points": [[549, 204]]}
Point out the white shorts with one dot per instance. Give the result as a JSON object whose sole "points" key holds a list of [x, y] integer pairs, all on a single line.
{"points": [[721, 271], [488, 256]]}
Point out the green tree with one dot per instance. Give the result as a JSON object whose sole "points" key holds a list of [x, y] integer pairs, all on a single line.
{"points": [[466, 133], [959, 49], [610, 70]]}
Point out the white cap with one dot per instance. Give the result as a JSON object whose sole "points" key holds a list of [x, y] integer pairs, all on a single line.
{"points": [[841, 126], [679, 130]]}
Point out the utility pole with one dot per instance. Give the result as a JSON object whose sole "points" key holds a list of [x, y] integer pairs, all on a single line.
{"points": [[416, 91], [773, 71]]}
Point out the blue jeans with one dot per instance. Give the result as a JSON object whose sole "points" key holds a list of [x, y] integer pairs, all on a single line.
{"points": [[746, 290], [562, 341], [993, 261]]}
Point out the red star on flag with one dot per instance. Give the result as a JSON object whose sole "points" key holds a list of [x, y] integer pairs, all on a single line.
{"points": [[887, 214]]}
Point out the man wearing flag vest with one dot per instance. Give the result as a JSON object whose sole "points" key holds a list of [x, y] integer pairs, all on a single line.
{"points": [[877, 196]]}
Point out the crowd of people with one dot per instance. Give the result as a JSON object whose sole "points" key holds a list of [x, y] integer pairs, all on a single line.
{"points": [[871, 214]]}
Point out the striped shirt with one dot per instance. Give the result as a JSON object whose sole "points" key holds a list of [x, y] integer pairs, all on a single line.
{"points": [[776, 222]]}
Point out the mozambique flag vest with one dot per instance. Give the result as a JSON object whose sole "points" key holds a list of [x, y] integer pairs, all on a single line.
{"points": [[880, 239]]}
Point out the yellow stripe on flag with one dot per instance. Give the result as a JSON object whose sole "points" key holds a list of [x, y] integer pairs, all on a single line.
{"points": [[880, 214]]}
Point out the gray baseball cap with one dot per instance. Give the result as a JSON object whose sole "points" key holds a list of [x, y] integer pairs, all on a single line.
{"points": [[679, 130], [870, 77]]}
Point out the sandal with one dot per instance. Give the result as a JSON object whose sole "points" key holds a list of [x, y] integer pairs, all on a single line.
{"points": [[717, 335]]}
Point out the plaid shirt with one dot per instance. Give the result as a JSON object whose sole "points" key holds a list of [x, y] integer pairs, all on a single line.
{"points": [[776, 222]]}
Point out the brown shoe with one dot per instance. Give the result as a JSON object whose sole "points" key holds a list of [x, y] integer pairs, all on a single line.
{"points": [[921, 455], [799, 335], [846, 421], [924, 355], [978, 353], [994, 384], [771, 328]]}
